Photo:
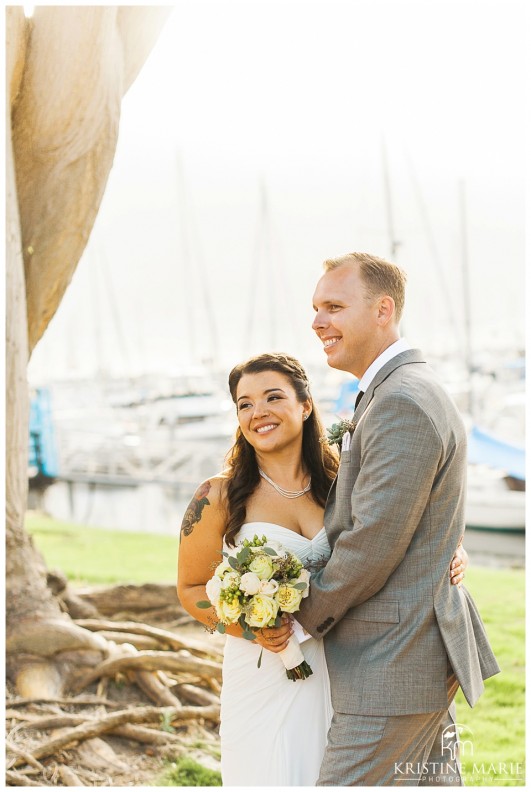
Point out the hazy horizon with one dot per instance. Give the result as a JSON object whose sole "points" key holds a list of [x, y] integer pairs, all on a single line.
{"points": [[299, 101]]}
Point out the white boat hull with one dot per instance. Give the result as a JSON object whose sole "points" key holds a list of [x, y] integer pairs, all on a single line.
{"points": [[492, 505]]}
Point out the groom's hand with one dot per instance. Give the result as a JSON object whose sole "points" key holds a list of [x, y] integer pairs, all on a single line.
{"points": [[275, 638]]}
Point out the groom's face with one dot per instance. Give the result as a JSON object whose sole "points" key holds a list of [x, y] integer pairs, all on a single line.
{"points": [[345, 320]]}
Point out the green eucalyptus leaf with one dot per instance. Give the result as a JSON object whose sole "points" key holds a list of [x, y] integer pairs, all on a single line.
{"points": [[220, 627], [243, 555], [203, 604], [270, 551], [300, 586], [248, 635], [233, 563]]}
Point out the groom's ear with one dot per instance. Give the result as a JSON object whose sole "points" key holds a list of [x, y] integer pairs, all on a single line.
{"points": [[386, 310]]}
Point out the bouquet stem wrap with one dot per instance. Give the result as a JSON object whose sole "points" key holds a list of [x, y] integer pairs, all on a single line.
{"points": [[294, 662]]}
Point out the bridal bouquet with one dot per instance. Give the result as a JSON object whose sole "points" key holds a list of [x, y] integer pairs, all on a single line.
{"points": [[253, 587]]}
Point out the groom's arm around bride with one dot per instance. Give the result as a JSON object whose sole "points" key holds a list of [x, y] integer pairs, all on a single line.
{"points": [[399, 637]]}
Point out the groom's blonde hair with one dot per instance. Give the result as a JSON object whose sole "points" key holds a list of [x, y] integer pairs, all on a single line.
{"points": [[379, 276]]}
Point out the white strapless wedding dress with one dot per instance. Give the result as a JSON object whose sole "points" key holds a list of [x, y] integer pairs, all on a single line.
{"points": [[273, 730]]}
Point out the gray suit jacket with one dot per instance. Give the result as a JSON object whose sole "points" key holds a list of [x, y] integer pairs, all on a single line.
{"points": [[395, 513]]}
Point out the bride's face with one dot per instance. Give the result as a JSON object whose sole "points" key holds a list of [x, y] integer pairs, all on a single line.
{"points": [[269, 413]]}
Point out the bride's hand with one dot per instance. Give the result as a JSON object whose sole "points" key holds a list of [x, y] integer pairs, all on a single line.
{"points": [[275, 638], [459, 564]]}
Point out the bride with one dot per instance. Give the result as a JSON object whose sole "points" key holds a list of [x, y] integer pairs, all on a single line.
{"points": [[273, 731]]}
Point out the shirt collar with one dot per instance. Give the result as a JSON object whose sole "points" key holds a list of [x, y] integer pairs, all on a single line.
{"points": [[392, 351]]}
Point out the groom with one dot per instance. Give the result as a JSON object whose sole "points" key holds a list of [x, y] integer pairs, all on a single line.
{"points": [[399, 638]]}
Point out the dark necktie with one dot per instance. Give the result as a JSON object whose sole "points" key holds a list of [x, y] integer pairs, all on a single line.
{"points": [[358, 399]]}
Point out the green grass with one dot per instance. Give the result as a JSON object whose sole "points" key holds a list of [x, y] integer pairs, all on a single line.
{"points": [[498, 719], [497, 722], [186, 772], [99, 556]]}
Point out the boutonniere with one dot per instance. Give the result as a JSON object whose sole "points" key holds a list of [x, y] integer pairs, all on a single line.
{"points": [[334, 434]]}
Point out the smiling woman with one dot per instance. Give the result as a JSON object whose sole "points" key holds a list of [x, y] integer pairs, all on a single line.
{"points": [[276, 482]]}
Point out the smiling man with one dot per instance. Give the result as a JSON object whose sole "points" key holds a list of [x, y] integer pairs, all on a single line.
{"points": [[399, 638]]}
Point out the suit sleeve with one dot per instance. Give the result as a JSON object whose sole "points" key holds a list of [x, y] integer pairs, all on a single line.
{"points": [[401, 453]]}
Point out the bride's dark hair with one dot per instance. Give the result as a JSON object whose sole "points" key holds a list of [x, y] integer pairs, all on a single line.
{"points": [[318, 458]]}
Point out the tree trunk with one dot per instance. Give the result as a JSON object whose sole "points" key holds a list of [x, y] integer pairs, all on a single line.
{"points": [[79, 62], [67, 70]]}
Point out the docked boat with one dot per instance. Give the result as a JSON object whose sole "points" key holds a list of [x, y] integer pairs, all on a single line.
{"points": [[496, 483]]}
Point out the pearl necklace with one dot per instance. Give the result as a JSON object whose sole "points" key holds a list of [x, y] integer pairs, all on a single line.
{"points": [[285, 492]]}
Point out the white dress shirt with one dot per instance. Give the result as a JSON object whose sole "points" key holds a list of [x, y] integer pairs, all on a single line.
{"points": [[392, 351]]}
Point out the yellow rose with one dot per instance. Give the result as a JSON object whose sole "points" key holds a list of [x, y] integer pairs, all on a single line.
{"points": [[261, 611], [288, 598], [228, 610], [262, 566]]}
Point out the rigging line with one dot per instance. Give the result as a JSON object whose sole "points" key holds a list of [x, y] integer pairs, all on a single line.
{"points": [[100, 367], [270, 264], [203, 276], [432, 244], [281, 277], [185, 257], [113, 304], [465, 268], [393, 243], [254, 282]]}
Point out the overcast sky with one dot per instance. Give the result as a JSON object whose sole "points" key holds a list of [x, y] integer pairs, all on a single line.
{"points": [[254, 144]]}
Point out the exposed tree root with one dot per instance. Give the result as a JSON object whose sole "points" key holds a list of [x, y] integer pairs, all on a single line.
{"points": [[19, 779], [69, 778], [150, 661], [27, 757], [165, 638], [65, 700], [155, 690], [97, 726], [63, 733]]}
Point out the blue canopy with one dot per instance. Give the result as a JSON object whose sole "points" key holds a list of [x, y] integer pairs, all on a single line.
{"points": [[42, 444], [347, 397], [486, 449]]}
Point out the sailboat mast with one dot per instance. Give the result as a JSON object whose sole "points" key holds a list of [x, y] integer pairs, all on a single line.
{"points": [[393, 242], [465, 270], [270, 265]]}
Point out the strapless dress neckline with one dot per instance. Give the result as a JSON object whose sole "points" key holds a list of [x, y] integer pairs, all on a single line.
{"points": [[288, 530]]}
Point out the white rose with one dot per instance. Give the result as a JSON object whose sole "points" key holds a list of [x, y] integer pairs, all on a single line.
{"points": [[213, 589], [230, 579], [261, 611], [288, 598], [304, 577], [268, 587], [262, 566], [221, 568], [228, 611], [250, 583]]}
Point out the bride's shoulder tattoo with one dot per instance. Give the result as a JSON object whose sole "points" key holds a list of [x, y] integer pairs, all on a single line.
{"points": [[195, 509]]}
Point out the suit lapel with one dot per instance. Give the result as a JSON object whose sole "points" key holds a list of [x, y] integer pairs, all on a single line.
{"points": [[403, 359]]}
